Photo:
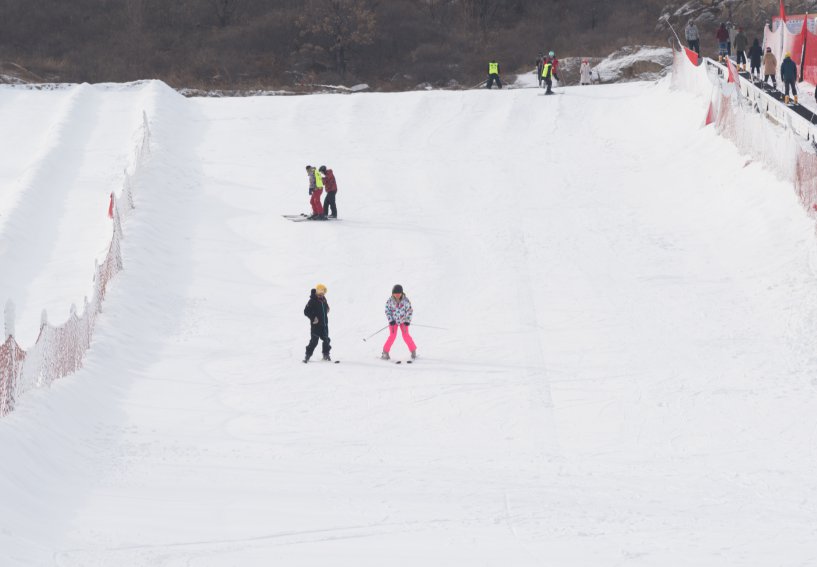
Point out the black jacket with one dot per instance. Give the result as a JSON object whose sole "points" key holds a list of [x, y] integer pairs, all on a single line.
{"points": [[317, 307], [788, 70], [755, 54]]}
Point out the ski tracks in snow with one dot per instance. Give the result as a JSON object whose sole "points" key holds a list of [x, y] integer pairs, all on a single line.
{"points": [[57, 205]]}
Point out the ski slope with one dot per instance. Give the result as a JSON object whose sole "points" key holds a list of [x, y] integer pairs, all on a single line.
{"points": [[614, 313]]}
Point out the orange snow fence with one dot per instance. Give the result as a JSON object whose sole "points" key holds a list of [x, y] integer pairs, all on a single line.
{"points": [[59, 350], [767, 130]]}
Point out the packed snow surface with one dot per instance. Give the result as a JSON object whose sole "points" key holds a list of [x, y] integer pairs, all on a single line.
{"points": [[615, 315]]}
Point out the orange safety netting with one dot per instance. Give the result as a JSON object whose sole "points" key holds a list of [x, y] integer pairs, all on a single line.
{"points": [[744, 123], [59, 350]]}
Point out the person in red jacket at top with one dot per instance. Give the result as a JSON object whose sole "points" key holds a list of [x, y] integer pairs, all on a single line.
{"points": [[555, 65], [331, 187], [722, 35]]}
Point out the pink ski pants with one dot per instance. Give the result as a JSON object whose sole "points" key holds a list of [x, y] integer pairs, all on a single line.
{"points": [[404, 330]]}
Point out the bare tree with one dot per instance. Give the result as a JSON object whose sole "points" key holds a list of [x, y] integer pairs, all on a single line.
{"points": [[225, 11], [341, 25]]}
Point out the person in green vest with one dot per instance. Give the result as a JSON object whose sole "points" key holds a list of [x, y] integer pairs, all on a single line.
{"points": [[493, 74]]}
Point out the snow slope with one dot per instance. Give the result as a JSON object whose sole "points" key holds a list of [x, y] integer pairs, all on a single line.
{"points": [[614, 312]]}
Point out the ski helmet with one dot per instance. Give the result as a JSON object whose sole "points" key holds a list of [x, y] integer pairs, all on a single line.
{"points": [[551, 54], [322, 169], [397, 289], [321, 289]]}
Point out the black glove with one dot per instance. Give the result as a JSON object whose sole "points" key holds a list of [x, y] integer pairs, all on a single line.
{"points": [[392, 323], [407, 324], [310, 191]]}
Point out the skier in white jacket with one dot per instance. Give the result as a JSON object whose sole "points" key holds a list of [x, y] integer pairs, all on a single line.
{"points": [[399, 313]]}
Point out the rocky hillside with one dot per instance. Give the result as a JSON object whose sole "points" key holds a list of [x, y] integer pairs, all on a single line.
{"points": [[295, 44]]}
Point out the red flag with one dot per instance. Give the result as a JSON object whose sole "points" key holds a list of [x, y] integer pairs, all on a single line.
{"points": [[710, 115], [782, 12], [733, 72], [692, 56]]}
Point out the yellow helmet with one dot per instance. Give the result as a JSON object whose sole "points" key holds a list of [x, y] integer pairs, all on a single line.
{"points": [[320, 288]]}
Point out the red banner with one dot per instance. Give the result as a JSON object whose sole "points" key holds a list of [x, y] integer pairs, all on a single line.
{"points": [[694, 57]]}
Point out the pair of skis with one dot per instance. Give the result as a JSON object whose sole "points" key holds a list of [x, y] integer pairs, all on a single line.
{"points": [[394, 361], [305, 217]]}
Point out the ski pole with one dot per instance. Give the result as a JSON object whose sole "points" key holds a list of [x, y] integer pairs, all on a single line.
{"points": [[429, 327], [376, 332]]}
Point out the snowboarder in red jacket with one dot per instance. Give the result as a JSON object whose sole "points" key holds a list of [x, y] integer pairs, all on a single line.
{"points": [[331, 187]]}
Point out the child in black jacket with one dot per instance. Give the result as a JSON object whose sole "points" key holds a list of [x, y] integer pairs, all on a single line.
{"points": [[317, 310]]}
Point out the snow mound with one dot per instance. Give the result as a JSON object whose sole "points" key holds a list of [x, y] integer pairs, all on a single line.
{"points": [[634, 63]]}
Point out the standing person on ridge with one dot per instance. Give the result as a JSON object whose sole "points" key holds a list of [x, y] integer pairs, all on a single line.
{"points": [[740, 43], [331, 190], [788, 73], [693, 37], [730, 27], [317, 311], [722, 35], [540, 62], [755, 56], [584, 73], [399, 313], [315, 190], [493, 74], [769, 67]]}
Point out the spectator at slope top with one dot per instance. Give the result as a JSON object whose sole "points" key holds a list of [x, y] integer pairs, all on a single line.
{"points": [[755, 56], [740, 43], [722, 35], [769, 67], [540, 62], [584, 73], [788, 73], [693, 37], [730, 27]]}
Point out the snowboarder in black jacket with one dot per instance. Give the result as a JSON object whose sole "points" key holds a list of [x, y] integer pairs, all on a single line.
{"points": [[788, 72], [317, 310], [755, 55]]}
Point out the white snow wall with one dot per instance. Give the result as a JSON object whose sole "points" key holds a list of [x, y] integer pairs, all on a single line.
{"points": [[59, 350], [761, 127]]}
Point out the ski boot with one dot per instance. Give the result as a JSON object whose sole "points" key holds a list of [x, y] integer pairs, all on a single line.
{"points": [[327, 358], [306, 359], [413, 354], [385, 356]]}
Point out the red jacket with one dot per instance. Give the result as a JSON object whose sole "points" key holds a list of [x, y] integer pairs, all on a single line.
{"points": [[722, 35], [329, 182]]}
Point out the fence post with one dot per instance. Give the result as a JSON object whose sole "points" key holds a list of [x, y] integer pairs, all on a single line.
{"points": [[8, 320]]}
